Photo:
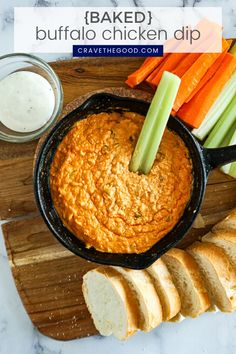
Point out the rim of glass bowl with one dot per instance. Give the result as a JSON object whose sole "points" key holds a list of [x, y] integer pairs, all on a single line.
{"points": [[58, 102]]}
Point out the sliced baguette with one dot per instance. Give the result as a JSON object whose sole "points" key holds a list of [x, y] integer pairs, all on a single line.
{"points": [[110, 303], [165, 288], [228, 223], [218, 272], [178, 318], [188, 281], [141, 285], [225, 239]]}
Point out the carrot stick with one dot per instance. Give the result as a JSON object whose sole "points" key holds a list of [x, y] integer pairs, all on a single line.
{"points": [[190, 58], [229, 41], [168, 65], [145, 62], [179, 63], [210, 72], [195, 73], [139, 75], [185, 64], [195, 110], [154, 73], [152, 63], [205, 27], [149, 65]]}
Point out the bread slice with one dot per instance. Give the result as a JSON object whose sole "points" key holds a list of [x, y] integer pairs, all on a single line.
{"points": [[110, 303], [225, 239], [188, 281], [165, 288], [143, 290], [228, 223], [178, 318], [218, 272]]}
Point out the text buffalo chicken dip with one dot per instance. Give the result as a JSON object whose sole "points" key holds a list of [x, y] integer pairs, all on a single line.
{"points": [[101, 201]]}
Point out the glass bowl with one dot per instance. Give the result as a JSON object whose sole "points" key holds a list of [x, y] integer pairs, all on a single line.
{"points": [[11, 63]]}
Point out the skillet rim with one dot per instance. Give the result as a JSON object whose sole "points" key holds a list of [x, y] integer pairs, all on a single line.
{"points": [[71, 242]]}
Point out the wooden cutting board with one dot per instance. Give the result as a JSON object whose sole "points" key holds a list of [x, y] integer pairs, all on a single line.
{"points": [[47, 276]]}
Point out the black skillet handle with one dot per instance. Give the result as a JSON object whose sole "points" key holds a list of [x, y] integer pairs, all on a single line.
{"points": [[219, 156]]}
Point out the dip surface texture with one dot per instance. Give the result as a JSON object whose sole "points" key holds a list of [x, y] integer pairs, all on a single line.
{"points": [[101, 201]]}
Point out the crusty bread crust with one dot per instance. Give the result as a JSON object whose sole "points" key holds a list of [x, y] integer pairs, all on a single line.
{"points": [[225, 239], [165, 288], [192, 269], [229, 223], [125, 294], [144, 291], [178, 318], [227, 235], [223, 268], [150, 296]]}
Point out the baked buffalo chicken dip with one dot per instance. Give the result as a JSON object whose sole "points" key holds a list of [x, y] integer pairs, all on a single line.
{"points": [[104, 204]]}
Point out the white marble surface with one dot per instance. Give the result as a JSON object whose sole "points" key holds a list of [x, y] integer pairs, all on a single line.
{"points": [[210, 333]]}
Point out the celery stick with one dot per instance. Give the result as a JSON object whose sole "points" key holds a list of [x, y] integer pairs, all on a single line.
{"points": [[225, 142], [226, 168], [154, 124], [217, 109], [219, 106], [228, 136], [231, 169], [223, 125], [228, 140], [233, 50], [160, 124]]}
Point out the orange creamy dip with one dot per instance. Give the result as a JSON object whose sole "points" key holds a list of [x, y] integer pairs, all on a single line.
{"points": [[101, 201]]}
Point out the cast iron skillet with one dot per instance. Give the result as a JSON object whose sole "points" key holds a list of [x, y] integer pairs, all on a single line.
{"points": [[204, 160]]}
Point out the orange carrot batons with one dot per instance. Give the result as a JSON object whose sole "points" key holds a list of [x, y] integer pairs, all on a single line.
{"points": [[168, 65], [210, 72], [196, 109], [142, 73], [193, 76]]}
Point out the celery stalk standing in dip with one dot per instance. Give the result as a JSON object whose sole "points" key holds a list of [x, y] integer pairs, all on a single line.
{"points": [[155, 123]]}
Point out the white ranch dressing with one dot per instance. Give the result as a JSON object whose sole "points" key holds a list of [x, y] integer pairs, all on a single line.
{"points": [[26, 101]]}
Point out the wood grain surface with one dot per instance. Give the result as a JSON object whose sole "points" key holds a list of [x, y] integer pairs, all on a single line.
{"points": [[47, 276]]}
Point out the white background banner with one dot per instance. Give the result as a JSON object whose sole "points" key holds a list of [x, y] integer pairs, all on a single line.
{"points": [[56, 30]]}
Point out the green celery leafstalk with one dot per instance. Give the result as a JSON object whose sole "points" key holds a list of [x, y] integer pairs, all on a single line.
{"points": [[233, 50], [217, 109], [225, 168], [155, 123], [229, 136], [226, 142], [223, 125], [219, 106], [231, 168]]}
